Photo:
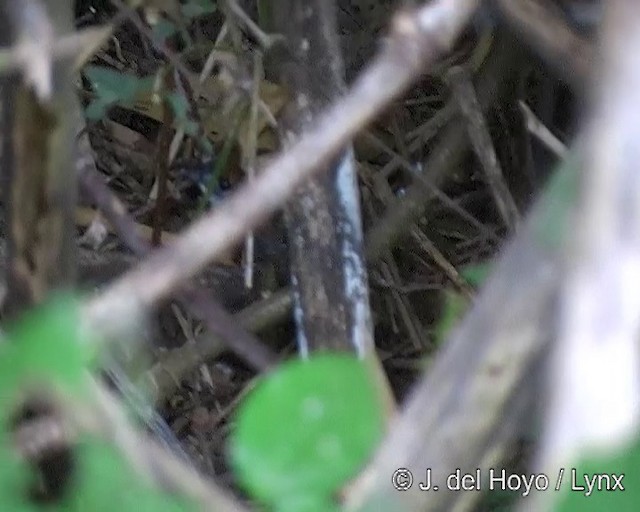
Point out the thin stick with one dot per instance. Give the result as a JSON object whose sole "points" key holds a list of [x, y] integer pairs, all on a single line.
{"points": [[483, 147], [541, 132]]}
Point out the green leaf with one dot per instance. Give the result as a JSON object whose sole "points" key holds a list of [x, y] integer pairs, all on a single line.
{"points": [[454, 307], [45, 346], [558, 200], [112, 87], [455, 304], [163, 29], [180, 107], [195, 8], [39, 350], [96, 110], [477, 274], [48, 351], [305, 430], [106, 482], [602, 467]]}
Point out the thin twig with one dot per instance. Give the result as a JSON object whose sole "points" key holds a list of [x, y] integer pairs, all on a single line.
{"points": [[496, 78], [422, 135], [541, 132], [165, 376], [442, 263], [417, 174], [265, 40]]}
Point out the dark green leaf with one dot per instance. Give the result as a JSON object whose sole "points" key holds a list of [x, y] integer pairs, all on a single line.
{"points": [[96, 110], [113, 86], [195, 8], [163, 29]]}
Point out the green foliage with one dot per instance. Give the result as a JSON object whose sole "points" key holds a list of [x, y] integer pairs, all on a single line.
{"points": [[559, 199], [455, 304], [112, 87], [598, 469], [163, 29], [477, 274], [454, 307], [44, 347], [196, 8], [305, 430], [47, 355]]}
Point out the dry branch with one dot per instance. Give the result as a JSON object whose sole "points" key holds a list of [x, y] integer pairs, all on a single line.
{"points": [[483, 147]]}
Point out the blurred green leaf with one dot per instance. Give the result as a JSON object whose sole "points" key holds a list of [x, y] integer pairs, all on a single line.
{"points": [[45, 346], [48, 352], [164, 29], [195, 8], [180, 107], [477, 274], [455, 304], [599, 469], [558, 200], [113, 87], [454, 307], [305, 430]]}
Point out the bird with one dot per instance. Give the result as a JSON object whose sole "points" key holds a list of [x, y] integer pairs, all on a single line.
{"points": [[196, 180]]}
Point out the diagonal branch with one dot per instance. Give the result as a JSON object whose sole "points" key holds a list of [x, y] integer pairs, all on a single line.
{"points": [[483, 146]]}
